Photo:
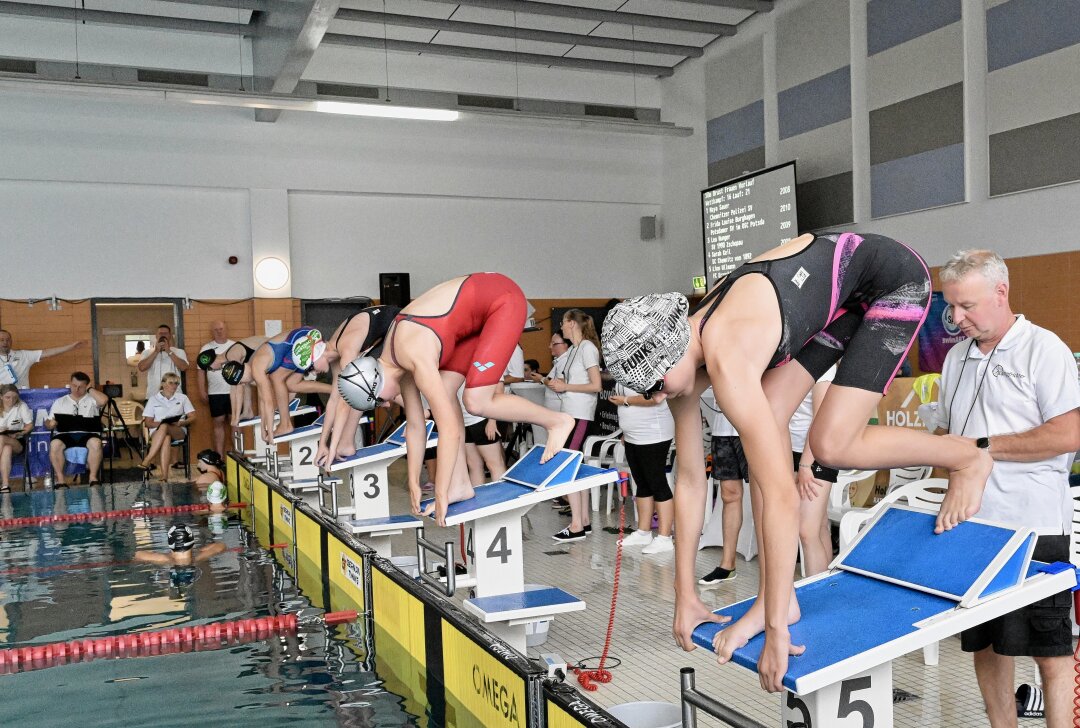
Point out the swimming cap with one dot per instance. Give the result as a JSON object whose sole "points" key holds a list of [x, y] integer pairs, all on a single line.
{"points": [[308, 348], [644, 337], [361, 382], [210, 457], [181, 538], [205, 359], [232, 372], [215, 492]]}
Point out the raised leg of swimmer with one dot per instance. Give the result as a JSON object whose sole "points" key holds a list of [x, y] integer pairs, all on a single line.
{"points": [[485, 402]]}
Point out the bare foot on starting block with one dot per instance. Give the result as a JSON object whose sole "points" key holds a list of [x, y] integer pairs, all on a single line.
{"points": [[556, 437], [455, 494], [283, 428], [749, 626], [964, 496]]}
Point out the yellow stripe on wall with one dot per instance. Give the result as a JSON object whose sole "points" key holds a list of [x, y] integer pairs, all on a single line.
{"points": [[400, 614], [346, 569]]}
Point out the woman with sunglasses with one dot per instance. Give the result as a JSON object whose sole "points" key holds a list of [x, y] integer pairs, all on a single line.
{"points": [[463, 330], [762, 337]]}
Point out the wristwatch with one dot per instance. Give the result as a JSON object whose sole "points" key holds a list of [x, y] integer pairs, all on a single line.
{"points": [[983, 443]]}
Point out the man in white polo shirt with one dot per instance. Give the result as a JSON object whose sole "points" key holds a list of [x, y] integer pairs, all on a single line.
{"points": [[160, 359], [15, 363], [1012, 387], [213, 389]]}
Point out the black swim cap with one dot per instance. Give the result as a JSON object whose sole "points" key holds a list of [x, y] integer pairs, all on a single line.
{"points": [[181, 538], [205, 359], [232, 372], [210, 457]]}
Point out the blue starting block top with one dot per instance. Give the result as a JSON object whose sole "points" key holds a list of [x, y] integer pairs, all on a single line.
{"points": [[561, 468], [897, 588], [501, 495], [394, 445], [389, 523], [294, 409], [299, 433], [543, 602]]}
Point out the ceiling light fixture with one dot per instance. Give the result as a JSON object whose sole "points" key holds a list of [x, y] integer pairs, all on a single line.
{"points": [[388, 111], [271, 273]]}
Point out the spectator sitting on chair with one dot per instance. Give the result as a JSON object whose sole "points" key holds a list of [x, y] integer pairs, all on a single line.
{"points": [[167, 415], [15, 363], [75, 420], [164, 357], [16, 421], [213, 389]]}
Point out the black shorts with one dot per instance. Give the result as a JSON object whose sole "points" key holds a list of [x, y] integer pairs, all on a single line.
{"points": [[648, 465], [75, 439], [220, 405], [821, 472], [728, 459], [475, 434], [1042, 629]]}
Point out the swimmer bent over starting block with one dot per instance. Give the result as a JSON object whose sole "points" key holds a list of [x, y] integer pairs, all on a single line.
{"points": [[862, 297], [463, 330]]}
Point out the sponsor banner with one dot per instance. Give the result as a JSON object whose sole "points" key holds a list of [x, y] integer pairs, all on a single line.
{"points": [[346, 576], [39, 401], [400, 614], [568, 709], [480, 683], [938, 334]]}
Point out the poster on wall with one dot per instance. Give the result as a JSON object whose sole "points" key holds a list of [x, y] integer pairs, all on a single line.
{"points": [[938, 334]]}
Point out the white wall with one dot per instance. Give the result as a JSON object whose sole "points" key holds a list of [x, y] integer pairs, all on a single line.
{"points": [[1027, 223], [551, 206]]}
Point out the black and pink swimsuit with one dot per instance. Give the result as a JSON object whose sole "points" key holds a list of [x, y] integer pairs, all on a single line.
{"points": [[860, 297]]}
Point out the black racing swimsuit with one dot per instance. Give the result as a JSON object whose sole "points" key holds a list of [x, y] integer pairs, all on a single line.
{"points": [[862, 297], [380, 319]]}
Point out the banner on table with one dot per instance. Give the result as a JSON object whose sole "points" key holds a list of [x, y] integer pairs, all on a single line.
{"points": [[938, 334]]}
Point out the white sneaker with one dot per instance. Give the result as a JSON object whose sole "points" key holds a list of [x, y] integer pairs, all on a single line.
{"points": [[659, 545], [638, 538]]}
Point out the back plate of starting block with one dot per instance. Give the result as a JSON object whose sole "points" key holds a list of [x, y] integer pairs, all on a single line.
{"points": [[972, 562], [397, 437], [562, 468]]}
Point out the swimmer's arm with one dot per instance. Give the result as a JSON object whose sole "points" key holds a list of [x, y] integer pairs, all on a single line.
{"points": [[447, 415], [592, 387], [208, 552], [152, 557], [816, 398], [415, 440], [690, 484], [737, 385]]}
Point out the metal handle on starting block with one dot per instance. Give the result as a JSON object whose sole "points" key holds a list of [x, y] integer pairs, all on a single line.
{"points": [[446, 551], [692, 700]]}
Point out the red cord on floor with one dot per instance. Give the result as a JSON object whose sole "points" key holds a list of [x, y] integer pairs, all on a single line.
{"points": [[600, 675], [1076, 666]]}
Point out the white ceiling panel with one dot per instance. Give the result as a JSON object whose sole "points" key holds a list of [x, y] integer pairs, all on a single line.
{"points": [[500, 44], [655, 35], [402, 7], [157, 9], [376, 30], [688, 11], [612, 54]]}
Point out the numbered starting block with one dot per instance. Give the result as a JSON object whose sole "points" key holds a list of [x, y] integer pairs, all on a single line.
{"points": [[897, 588], [301, 473], [360, 498], [492, 519], [260, 448]]}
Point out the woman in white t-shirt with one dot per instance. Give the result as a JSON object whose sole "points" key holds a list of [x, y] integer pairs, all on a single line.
{"points": [[166, 416], [647, 429], [814, 482], [483, 446], [577, 388], [16, 421]]}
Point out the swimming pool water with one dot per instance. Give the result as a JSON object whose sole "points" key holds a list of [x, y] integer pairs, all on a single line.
{"points": [[76, 580]]}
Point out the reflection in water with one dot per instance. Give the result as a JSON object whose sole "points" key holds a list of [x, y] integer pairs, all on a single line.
{"points": [[78, 580]]}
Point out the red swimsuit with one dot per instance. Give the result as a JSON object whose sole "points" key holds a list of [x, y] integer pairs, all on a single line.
{"points": [[479, 332]]}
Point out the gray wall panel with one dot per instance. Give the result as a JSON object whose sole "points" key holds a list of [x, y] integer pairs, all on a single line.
{"points": [[921, 181], [892, 22], [1035, 156], [736, 132], [725, 169], [1023, 29], [816, 103], [930, 121], [825, 202]]}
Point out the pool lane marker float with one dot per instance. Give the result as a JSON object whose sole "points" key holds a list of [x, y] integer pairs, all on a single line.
{"points": [[106, 515], [198, 638]]}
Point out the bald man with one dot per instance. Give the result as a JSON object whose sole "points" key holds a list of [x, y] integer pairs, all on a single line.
{"points": [[213, 389]]}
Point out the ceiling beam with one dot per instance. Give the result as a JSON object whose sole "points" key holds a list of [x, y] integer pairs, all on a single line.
{"points": [[505, 31], [291, 32], [602, 16], [253, 5], [107, 17], [758, 6], [486, 54]]}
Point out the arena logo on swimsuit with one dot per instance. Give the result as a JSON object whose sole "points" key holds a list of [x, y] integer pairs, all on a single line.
{"points": [[496, 694]]}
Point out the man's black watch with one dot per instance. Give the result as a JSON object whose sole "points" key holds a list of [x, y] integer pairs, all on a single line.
{"points": [[983, 443]]}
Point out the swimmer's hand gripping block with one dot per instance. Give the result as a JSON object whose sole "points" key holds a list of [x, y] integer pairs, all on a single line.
{"points": [[976, 561]]}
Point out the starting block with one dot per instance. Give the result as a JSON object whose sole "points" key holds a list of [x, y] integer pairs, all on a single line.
{"points": [[897, 588], [492, 518], [360, 499], [260, 447], [303, 445]]}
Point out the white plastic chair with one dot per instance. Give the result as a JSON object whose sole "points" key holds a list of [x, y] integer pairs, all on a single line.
{"points": [[604, 451], [926, 494], [899, 477], [840, 493]]}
